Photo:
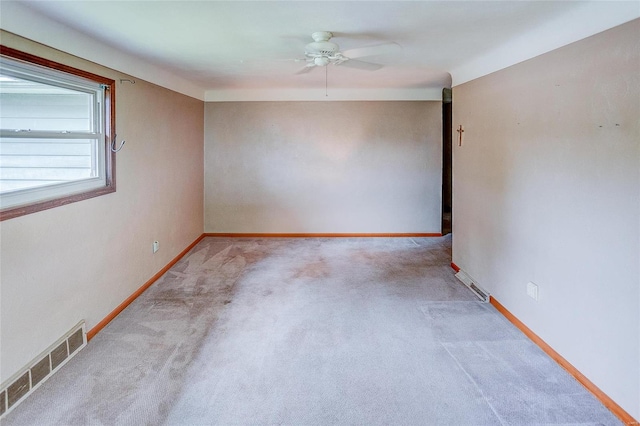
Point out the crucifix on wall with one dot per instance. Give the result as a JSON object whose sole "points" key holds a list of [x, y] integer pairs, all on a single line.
{"points": [[460, 132]]}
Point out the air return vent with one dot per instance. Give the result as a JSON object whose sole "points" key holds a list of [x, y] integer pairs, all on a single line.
{"points": [[16, 389], [475, 288]]}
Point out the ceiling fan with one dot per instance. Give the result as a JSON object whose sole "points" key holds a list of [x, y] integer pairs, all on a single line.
{"points": [[322, 52]]}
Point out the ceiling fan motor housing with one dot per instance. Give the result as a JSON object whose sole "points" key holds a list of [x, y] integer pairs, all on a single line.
{"points": [[321, 45]]}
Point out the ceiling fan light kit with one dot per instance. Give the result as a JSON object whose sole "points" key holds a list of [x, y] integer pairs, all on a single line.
{"points": [[321, 61]]}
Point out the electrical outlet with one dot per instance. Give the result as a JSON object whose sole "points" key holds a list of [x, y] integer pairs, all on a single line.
{"points": [[156, 246], [532, 290]]}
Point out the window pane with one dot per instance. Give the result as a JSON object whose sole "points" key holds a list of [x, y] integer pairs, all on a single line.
{"points": [[55, 121], [29, 163], [29, 105]]}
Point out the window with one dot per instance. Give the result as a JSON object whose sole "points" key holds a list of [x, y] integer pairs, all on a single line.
{"points": [[55, 126]]}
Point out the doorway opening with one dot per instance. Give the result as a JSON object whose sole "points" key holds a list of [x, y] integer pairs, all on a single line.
{"points": [[447, 162]]}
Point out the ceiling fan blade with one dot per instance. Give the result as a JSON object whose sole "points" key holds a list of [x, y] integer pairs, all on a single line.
{"points": [[361, 65], [377, 49], [306, 69]]}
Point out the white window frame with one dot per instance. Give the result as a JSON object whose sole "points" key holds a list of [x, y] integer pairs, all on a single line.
{"points": [[28, 67]]}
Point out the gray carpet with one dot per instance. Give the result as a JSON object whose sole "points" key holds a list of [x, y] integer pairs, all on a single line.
{"points": [[311, 332]]}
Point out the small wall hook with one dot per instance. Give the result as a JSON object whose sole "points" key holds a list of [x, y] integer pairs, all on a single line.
{"points": [[113, 144]]}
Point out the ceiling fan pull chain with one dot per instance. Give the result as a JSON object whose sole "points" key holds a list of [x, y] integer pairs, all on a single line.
{"points": [[326, 73]]}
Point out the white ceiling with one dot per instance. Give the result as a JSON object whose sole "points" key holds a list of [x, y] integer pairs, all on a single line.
{"points": [[237, 50]]}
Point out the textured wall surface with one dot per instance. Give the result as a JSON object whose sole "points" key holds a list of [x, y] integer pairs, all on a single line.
{"points": [[81, 260], [546, 189], [323, 167]]}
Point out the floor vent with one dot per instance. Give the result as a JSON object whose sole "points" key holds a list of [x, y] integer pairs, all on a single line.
{"points": [[475, 288], [20, 385]]}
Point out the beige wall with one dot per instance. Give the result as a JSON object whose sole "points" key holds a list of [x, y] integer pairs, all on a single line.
{"points": [[547, 189], [82, 260], [368, 167]]}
